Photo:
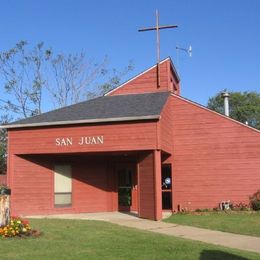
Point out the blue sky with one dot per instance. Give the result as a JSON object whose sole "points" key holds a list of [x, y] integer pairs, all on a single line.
{"points": [[224, 34]]}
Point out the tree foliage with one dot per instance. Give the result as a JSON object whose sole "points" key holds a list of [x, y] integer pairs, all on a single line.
{"points": [[2, 151], [33, 77], [3, 144], [244, 106], [72, 78], [114, 79], [23, 78]]}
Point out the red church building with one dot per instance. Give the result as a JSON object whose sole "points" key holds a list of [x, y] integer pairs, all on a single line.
{"points": [[141, 147]]}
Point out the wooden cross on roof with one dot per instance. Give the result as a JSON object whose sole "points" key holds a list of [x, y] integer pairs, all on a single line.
{"points": [[157, 28]]}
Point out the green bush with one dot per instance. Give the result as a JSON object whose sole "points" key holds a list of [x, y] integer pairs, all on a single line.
{"points": [[255, 201]]}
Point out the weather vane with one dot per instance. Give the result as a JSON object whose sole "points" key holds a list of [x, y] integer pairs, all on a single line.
{"points": [[187, 50], [157, 28]]}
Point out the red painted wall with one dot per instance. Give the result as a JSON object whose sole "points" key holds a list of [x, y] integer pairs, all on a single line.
{"points": [[91, 188], [117, 137], [3, 179], [31, 177], [31, 183], [33, 186], [166, 128], [146, 186], [147, 82], [149, 185], [214, 158]]}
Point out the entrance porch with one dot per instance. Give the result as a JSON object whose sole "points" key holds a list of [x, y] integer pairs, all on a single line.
{"points": [[100, 182]]}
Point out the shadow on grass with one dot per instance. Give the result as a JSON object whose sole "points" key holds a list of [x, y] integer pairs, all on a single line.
{"points": [[219, 255]]}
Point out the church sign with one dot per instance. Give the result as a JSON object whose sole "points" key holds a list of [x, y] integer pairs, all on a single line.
{"points": [[83, 140]]}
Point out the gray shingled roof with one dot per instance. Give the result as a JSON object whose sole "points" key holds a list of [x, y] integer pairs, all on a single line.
{"points": [[102, 109]]}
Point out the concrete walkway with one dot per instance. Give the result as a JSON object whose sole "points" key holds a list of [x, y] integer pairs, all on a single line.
{"points": [[241, 242]]}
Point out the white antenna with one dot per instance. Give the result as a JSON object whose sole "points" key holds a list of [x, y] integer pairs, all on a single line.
{"points": [[190, 51], [187, 50]]}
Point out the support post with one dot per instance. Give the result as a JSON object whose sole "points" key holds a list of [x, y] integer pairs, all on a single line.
{"points": [[157, 185]]}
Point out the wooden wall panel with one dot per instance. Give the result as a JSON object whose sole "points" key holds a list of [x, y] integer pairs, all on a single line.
{"points": [[3, 179], [31, 187], [33, 192], [157, 185], [147, 82], [214, 158], [146, 186], [117, 137], [91, 189], [166, 128]]}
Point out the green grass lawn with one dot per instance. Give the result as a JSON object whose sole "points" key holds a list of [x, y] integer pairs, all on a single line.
{"points": [[245, 223], [77, 239]]}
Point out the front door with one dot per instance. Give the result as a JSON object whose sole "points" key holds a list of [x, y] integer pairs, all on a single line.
{"points": [[127, 187]]}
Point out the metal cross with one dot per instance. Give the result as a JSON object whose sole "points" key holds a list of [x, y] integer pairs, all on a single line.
{"points": [[157, 28]]}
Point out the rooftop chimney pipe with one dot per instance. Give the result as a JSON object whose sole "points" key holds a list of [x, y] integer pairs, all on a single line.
{"points": [[225, 95]]}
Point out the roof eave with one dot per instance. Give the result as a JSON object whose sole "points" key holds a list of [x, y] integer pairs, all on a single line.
{"points": [[87, 121]]}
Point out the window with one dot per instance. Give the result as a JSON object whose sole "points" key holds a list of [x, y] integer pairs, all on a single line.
{"points": [[62, 186]]}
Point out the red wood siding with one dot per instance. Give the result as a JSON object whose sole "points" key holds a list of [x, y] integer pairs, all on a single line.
{"points": [[33, 185], [146, 186], [214, 158], [91, 189], [173, 83], [117, 137], [3, 179], [166, 128], [157, 185], [147, 81]]}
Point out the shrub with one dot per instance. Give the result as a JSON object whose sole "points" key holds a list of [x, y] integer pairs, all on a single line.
{"points": [[203, 210], [240, 206], [255, 200]]}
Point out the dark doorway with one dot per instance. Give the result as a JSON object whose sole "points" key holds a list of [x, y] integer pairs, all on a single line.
{"points": [[166, 187], [127, 187]]}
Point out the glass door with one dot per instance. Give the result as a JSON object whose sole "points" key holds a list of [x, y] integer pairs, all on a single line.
{"points": [[166, 187], [127, 188]]}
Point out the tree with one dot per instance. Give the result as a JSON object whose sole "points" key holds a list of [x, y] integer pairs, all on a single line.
{"points": [[244, 106], [23, 78], [3, 144], [29, 75], [115, 79], [2, 151], [72, 78], [77, 79]]}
